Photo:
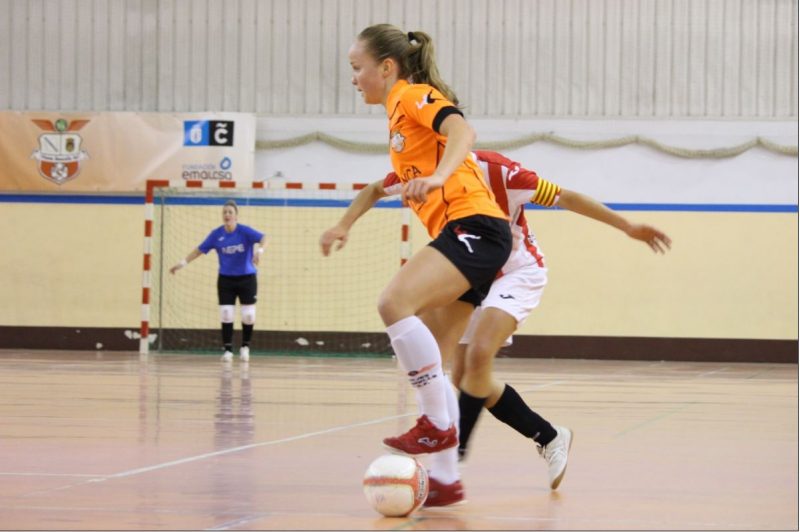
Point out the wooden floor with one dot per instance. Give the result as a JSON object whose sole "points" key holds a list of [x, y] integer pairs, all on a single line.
{"points": [[108, 441]]}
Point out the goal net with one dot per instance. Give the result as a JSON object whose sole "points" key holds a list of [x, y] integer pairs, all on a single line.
{"points": [[307, 303]]}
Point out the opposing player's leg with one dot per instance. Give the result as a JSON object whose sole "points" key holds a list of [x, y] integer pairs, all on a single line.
{"points": [[491, 328], [511, 300]]}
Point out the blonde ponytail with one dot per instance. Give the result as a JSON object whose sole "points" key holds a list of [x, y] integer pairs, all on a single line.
{"points": [[413, 52], [421, 64]]}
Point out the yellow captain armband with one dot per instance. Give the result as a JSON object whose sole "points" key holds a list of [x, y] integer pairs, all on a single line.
{"points": [[546, 193]]}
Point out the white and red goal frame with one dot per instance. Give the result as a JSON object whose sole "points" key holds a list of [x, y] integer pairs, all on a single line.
{"points": [[149, 212]]}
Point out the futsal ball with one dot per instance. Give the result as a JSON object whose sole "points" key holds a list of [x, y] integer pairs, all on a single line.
{"points": [[395, 485]]}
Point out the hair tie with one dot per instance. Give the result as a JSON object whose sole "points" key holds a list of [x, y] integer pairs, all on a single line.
{"points": [[411, 37]]}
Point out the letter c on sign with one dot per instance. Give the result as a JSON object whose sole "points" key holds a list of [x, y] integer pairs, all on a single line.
{"points": [[221, 134]]}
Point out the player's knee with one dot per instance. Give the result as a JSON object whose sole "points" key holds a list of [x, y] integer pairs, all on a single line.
{"points": [[481, 349], [479, 356], [226, 313], [248, 314], [391, 308]]}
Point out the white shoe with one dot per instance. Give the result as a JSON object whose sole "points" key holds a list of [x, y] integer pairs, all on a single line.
{"points": [[227, 356], [244, 353], [556, 453]]}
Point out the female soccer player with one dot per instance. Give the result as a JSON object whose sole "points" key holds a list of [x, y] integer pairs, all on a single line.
{"points": [[234, 244], [429, 149], [511, 299]]}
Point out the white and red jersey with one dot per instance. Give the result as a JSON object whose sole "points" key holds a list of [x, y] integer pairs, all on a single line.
{"points": [[513, 187]]}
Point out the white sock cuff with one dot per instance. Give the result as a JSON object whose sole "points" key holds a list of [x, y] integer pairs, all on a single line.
{"points": [[399, 328]]}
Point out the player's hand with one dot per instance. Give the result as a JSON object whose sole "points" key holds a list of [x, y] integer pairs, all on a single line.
{"points": [[658, 241], [175, 269], [419, 188], [332, 236]]}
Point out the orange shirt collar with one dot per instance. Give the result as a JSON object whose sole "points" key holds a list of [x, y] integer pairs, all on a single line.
{"points": [[394, 95]]}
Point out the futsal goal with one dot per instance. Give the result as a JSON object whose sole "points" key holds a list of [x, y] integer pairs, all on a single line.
{"points": [[307, 303]]}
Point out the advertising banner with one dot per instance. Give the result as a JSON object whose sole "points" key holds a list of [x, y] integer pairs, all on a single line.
{"points": [[99, 152]]}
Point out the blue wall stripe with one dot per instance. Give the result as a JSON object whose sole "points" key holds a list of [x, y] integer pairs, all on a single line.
{"points": [[299, 202]]}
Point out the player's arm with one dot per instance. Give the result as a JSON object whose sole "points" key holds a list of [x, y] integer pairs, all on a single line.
{"points": [[184, 262], [460, 138], [260, 246], [582, 204], [366, 198]]}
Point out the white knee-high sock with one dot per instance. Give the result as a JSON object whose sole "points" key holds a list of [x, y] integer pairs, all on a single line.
{"points": [[418, 354], [444, 464]]}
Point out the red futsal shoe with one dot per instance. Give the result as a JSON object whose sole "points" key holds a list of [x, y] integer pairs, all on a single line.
{"points": [[423, 438], [444, 494]]}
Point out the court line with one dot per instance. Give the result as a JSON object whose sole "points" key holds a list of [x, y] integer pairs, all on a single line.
{"points": [[195, 458], [240, 521], [712, 372], [655, 419], [540, 386], [189, 459]]}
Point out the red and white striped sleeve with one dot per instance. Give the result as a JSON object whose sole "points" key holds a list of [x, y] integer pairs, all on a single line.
{"points": [[522, 185], [392, 184]]}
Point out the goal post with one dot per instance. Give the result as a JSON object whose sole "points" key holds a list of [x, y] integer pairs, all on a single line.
{"points": [[307, 303]]}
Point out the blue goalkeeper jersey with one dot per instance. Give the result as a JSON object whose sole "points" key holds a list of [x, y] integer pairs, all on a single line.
{"points": [[234, 249]]}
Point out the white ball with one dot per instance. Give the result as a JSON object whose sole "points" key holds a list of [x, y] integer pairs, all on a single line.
{"points": [[395, 485]]}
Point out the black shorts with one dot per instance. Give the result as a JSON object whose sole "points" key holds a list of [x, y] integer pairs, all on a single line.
{"points": [[478, 246], [229, 287]]}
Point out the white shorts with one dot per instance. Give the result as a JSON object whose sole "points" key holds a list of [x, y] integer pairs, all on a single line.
{"points": [[516, 293]]}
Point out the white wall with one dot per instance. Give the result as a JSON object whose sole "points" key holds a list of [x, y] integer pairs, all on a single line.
{"points": [[630, 174], [573, 58]]}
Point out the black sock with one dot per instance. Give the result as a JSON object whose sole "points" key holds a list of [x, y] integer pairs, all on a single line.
{"points": [[247, 334], [512, 410], [470, 408], [227, 336]]}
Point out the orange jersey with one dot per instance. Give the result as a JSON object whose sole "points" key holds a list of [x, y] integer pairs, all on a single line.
{"points": [[415, 114]]}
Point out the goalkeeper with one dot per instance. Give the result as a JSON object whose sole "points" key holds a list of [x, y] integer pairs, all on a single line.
{"points": [[239, 248]]}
